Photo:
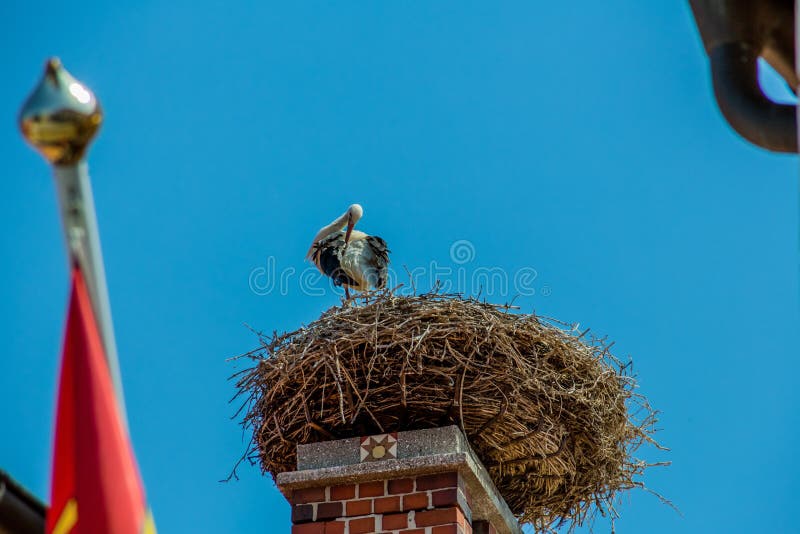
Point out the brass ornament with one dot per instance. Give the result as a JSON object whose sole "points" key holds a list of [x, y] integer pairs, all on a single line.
{"points": [[61, 116]]}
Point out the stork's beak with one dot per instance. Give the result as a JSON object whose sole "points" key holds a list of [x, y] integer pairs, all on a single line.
{"points": [[350, 225]]}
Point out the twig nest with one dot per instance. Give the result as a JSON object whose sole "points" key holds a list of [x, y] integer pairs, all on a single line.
{"points": [[548, 411]]}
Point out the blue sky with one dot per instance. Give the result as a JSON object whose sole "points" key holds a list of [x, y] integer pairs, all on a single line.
{"points": [[579, 142]]}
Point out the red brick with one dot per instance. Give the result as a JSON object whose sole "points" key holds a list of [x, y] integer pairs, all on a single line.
{"points": [[342, 493], [401, 485], [309, 528], [371, 489], [362, 525], [447, 529], [439, 517], [387, 504], [302, 513], [415, 501], [440, 481], [413, 531], [361, 507], [445, 498], [334, 527], [329, 510], [395, 521], [306, 495]]}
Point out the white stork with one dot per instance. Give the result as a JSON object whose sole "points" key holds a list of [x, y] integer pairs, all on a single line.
{"points": [[350, 258]]}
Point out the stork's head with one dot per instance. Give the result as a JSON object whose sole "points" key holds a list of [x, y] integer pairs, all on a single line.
{"points": [[348, 218], [354, 213]]}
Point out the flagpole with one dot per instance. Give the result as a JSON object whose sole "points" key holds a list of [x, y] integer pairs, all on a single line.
{"points": [[59, 119]]}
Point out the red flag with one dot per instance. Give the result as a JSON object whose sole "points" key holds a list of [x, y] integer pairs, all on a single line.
{"points": [[95, 485]]}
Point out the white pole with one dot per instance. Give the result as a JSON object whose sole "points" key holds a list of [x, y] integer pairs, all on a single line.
{"points": [[60, 119], [82, 237]]}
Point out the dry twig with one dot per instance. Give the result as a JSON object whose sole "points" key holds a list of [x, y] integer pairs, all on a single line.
{"points": [[548, 409]]}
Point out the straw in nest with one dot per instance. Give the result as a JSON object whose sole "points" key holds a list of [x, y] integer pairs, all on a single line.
{"points": [[550, 412]]}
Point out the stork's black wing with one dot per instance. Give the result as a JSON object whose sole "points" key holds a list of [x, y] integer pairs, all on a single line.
{"points": [[380, 259], [328, 252]]}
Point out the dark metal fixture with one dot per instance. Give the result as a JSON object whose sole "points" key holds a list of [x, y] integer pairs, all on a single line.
{"points": [[20, 511], [735, 34]]}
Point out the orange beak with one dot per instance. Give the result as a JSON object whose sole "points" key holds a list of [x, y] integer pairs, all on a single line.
{"points": [[350, 225]]}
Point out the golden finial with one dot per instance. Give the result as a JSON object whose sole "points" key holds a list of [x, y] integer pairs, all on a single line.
{"points": [[61, 116]]}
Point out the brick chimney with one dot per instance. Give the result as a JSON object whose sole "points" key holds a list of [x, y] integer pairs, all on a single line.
{"points": [[416, 482]]}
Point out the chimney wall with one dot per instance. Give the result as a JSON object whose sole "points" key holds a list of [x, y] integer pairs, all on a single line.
{"points": [[429, 504], [416, 482]]}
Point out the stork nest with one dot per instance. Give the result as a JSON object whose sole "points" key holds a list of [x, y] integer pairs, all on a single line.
{"points": [[550, 412]]}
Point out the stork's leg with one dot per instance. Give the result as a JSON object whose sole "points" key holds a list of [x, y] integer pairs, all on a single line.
{"points": [[346, 292]]}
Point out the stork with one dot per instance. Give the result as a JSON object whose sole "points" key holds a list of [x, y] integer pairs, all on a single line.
{"points": [[349, 257]]}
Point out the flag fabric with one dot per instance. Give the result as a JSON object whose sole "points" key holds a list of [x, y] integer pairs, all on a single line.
{"points": [[95, 485]]}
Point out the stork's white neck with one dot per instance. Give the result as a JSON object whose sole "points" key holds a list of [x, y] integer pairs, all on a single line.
{"points": [[332, 228], [326, 231]]}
